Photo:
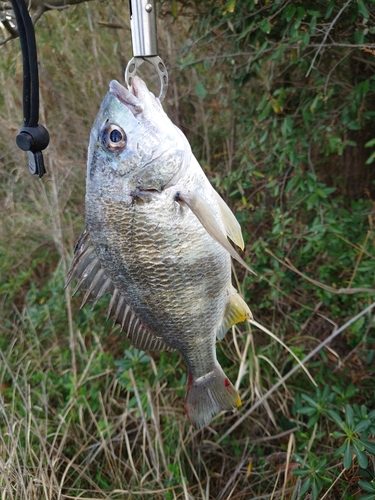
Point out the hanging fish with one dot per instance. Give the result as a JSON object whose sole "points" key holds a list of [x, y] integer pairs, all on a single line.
{"points": [[156, 240]]}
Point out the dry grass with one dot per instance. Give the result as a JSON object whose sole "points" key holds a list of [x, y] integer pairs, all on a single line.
{"points": [[52, 449]]}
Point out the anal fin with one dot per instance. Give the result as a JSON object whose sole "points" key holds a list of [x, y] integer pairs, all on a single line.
{"points": [[139, 335]]}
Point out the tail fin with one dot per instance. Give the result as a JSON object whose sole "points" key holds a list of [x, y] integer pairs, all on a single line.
{"points": [[208, 395]]}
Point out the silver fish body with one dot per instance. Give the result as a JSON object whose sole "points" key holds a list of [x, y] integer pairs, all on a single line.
{"points": [[156, 239]]}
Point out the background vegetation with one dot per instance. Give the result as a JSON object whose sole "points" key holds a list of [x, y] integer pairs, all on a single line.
{"points": [[278, 101]]}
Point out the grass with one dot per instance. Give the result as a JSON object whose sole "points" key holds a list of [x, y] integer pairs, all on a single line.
{"points": [[124, 434], [82, 414]]}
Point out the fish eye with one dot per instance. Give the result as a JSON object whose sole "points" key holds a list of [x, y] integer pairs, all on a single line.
{"points": [[113, 137]]}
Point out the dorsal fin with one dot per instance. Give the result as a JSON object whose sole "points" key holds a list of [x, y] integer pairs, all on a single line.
{"points": [[91, 278]]}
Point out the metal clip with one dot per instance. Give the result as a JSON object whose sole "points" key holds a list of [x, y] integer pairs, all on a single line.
{"points": [[156, 61], [145, 43]]}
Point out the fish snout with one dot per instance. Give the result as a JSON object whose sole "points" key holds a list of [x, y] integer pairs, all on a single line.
{"points": [[126, 97]]}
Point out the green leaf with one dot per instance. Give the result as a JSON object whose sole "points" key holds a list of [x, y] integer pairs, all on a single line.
{"points": [[309, 400], [265, 26], [305, 40], [362, 9], [330, 8], [305, 486], [301, 12], [293, 181], [260, 51], [313, 25], [231, 5], [186, 61], [315, 489], [349, 416], [348, 456], [174, 8], [369, 144], [370, 487], [300, 472], [338, 434], [289, 12], [315, 13], [362, 425], [359, 37], [321, 193], [370, 159], [200, 90], [370, 447], [313, 420], [307, 410], [362, 458], [342, 449], [266, 111]]}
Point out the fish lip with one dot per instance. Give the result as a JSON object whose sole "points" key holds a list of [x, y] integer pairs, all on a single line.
{"points": [[126, 97]]}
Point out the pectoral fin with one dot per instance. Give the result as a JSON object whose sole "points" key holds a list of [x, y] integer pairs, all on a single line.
{"points": [[232, 226], [236, 311], [203, 212]]}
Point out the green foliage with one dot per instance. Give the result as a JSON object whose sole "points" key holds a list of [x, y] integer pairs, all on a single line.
{"points": [[317, 406], [355, 430], [351, 440], [369, 487], [295, 104], [315, 476]]}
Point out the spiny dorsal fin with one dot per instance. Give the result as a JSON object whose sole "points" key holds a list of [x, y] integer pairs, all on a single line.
{"points": [[91, 277], [236, 311]]}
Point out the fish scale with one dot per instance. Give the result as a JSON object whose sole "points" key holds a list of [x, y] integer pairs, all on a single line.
{"points": [[156, 239], [154, 268]]}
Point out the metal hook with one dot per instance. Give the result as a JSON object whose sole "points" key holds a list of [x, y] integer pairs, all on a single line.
{"points": [[145, 43], [156, 61]]}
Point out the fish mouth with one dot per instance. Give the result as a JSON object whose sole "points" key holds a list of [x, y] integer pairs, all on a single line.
{"points": [[127, 97]]}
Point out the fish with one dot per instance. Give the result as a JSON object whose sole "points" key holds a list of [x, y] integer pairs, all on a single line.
{"points": [[156, 239]]}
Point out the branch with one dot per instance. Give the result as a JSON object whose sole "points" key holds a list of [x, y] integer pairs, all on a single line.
{"points": [[326, 35], [3, 42], [340, 291], [38, 13], [294, 370], [52, 4], [39, 7]]}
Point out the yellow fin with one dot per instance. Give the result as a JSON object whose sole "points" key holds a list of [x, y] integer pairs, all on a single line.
{"points": [[231, 224], [236, 311]]}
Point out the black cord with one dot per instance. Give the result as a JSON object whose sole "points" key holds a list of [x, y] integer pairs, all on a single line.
{"points": [[31, 137]]}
